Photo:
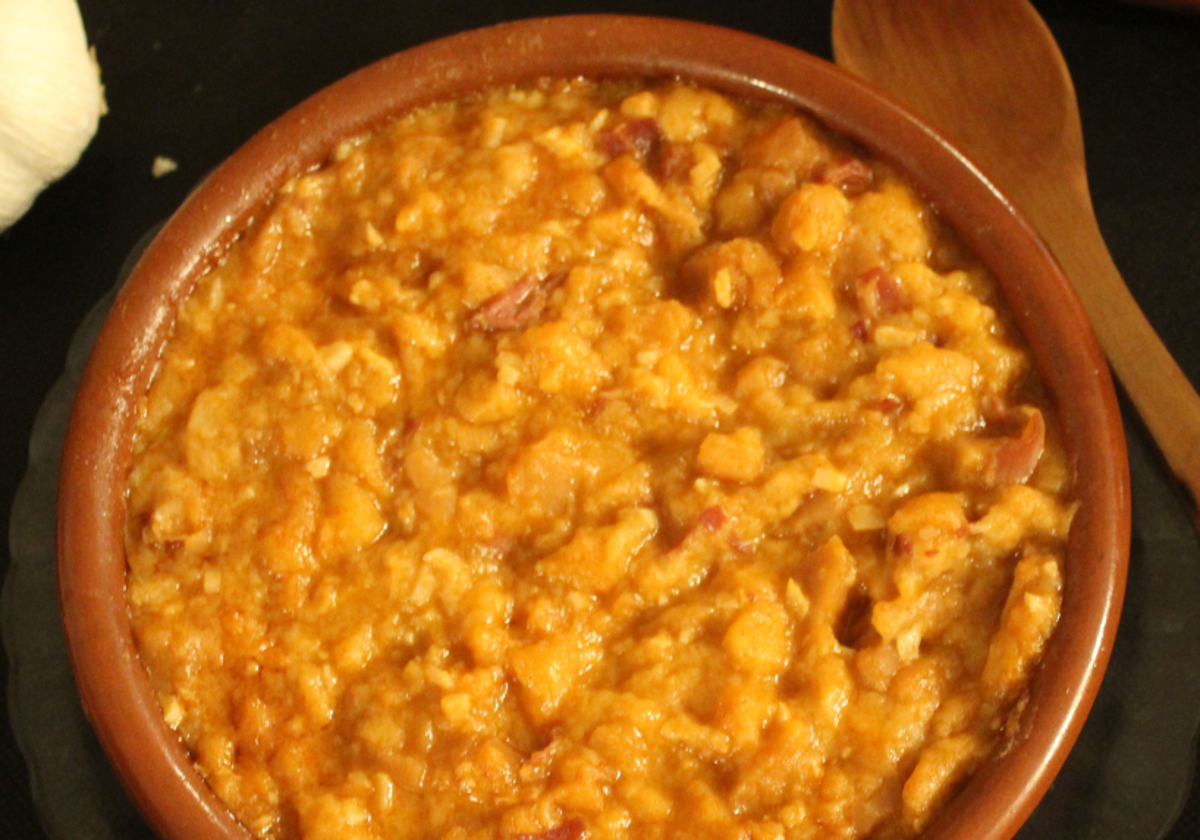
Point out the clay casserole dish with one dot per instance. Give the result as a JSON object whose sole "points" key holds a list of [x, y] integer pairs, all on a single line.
{"points": [[115, 691]]}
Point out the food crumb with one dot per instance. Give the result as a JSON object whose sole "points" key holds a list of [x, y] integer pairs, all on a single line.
{"points": [[163, 166]]}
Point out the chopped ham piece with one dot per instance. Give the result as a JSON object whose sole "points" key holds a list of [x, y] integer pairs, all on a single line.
{"points": [[1017, 457], [853, 175], [713, 518], [638, 137], [880, 294], [518, 306], [674, 161]]}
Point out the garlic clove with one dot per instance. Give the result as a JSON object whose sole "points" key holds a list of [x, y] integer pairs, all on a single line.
{"points": [[50, 101]]}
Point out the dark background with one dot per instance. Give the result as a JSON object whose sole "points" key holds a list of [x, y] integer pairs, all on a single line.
{"points": [[193, 79]]}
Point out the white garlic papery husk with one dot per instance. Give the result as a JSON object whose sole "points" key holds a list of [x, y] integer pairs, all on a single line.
{"points": [[50, 98]]}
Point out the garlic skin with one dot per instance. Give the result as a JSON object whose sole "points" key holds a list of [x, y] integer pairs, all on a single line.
{"points": [[51, 98]]}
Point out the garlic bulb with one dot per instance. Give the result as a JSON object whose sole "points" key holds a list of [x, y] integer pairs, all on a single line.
{"points": [[50, 98]]}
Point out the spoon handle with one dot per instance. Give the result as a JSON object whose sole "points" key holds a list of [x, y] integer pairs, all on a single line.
{"points": [[1158, 388]]}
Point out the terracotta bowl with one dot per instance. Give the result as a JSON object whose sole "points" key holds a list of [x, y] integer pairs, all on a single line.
{"points": [[115, 691]]}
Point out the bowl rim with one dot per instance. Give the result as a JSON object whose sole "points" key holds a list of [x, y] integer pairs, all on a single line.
{"points": [[114, 688]]}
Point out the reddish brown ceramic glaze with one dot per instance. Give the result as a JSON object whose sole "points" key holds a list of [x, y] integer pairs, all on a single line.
{"points": [[116, 693]]}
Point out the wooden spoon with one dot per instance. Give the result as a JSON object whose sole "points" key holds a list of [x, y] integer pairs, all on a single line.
{"points": [[989, 75]]}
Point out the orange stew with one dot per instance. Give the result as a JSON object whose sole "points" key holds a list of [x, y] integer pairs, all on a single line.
{"points": [[595, 461]]}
